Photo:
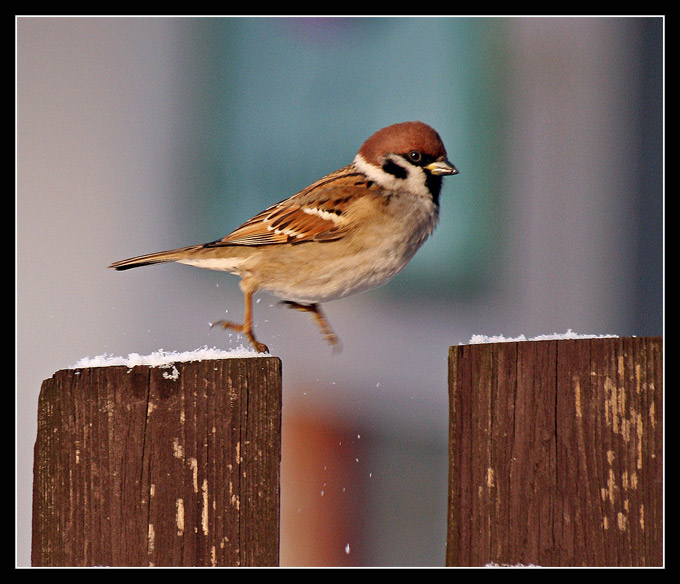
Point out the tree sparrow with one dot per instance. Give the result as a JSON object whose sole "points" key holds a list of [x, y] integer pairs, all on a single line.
{"points": [[349, 231]]}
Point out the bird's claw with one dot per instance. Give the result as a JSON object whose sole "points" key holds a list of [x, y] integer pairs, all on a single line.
{"points": [[227, 324]]}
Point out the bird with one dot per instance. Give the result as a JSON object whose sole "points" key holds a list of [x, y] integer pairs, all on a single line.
{"points": [[350, 231]]}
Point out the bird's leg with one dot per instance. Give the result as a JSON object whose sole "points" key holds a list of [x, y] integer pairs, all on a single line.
{"points": [[247, 327], [319, 317]]}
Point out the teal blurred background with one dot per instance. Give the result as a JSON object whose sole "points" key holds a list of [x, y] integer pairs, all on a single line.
{"points": [[141, 134]]}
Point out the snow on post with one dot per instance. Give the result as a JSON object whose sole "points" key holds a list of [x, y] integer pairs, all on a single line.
{"points": [[556, 452], [159, 461]]}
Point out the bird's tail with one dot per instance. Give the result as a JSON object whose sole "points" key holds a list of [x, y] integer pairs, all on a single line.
{"points": [[172, 255]]}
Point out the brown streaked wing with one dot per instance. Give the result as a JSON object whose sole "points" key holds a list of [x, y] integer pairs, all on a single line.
{"points": [[306, 216]]}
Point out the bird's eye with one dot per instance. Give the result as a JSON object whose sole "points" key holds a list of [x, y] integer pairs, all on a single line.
{"points": [[415, 156]]}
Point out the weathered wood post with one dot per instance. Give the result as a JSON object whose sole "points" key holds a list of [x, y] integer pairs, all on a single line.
{"points": [[175, 466], [555, 453]]}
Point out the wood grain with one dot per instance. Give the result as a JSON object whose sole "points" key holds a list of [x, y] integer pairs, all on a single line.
{"points": [[175, 466], [555, 452]]}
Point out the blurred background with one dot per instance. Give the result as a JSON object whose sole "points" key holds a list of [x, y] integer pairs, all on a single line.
{"points": [[136, 135]]}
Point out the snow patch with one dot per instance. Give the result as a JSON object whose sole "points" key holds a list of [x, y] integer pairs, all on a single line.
{"points": [[480, 339], [163, 358]]}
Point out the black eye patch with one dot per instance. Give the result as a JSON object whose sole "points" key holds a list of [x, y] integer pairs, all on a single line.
{"points": [[393, 168]]}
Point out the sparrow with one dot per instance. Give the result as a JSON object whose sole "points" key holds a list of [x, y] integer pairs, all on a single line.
{"points": [[350, 231]]}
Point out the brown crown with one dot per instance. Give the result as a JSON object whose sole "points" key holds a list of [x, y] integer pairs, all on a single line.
{"points": [[400, 139]]}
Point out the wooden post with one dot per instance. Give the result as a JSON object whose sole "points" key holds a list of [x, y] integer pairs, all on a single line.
{"points": [[555, 453], [151, 466]]}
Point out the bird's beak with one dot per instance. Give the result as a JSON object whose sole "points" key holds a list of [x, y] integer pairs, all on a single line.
{"points": [[441, 166]]}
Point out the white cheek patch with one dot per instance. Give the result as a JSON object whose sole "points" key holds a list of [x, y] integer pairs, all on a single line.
{"points": [[414, 181]]}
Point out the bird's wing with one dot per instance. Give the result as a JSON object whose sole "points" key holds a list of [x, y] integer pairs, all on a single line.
{"points": [[316, 213]]}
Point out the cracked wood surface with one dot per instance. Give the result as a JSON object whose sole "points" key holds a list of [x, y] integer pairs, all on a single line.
{"points": [[555, 453], [159, 466]]}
